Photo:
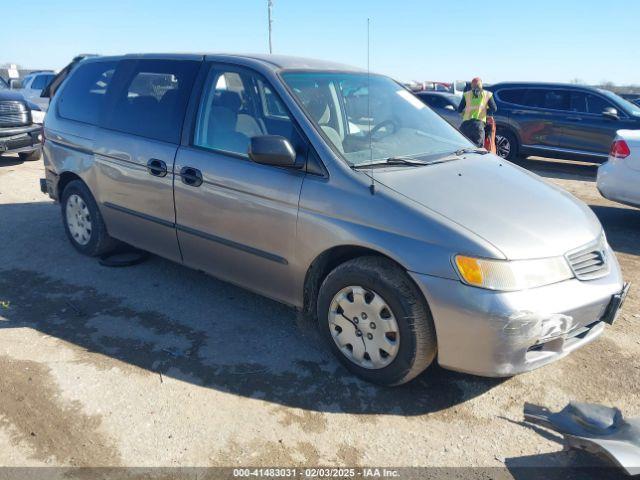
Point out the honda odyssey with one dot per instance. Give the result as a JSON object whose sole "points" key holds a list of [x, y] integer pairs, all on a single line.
{"points": [[339, 193]]}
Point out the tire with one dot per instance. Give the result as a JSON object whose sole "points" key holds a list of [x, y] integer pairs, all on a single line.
{"points": [[507, 145], [30, 156], [408, 352], [79, 209]]}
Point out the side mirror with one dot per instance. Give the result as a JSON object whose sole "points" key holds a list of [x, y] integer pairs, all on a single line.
{"points": [[449, 107], [15, 84], [611, 113], [272, 150]]}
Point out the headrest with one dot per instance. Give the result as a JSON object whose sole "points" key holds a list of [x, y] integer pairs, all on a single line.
{"points": [[223, 119], [318, 107], [229, 99]]}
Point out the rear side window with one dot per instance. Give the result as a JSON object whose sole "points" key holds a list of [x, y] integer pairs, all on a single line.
{"points": [[41, 81], [550, 99], [512, 95], [534, 97], [556, 100], [84, 94], [152, 99]]}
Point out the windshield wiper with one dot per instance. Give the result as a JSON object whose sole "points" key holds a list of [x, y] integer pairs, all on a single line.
{"points": [[412, 162]]}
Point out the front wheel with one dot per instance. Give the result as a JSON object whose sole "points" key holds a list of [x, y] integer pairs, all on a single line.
{"points": [[506, 145], [376, 321]]}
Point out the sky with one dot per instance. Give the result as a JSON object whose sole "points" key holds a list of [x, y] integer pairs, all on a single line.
{"points": [[446, 40]]}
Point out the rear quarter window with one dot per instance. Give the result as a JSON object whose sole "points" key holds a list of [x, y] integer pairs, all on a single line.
{"points": [[512, 95], [84, 95]]}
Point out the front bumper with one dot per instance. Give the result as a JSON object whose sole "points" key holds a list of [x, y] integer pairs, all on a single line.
{"points": [[499, 334], [20, 139]]}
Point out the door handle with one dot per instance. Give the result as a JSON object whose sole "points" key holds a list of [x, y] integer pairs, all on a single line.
{"points": [[191, 176], [157, 168], [574, 119]]}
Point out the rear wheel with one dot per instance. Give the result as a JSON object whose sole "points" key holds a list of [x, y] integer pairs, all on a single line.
{"points": [[83, 222], [506, 145], [376, 321]]}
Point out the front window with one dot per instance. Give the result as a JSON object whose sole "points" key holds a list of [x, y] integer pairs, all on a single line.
{"points": [[372, 118], [628, 106], [236, 106]]}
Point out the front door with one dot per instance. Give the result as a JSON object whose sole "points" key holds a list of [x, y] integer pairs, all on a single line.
{"points": [[236, 219], [588, 130], [136, 148]]}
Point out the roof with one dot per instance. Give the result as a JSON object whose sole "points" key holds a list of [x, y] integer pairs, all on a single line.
{"points": [[540, 84], [290, 62], [436, 93], [275, 62]]}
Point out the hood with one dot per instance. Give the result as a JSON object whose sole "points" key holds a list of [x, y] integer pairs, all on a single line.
{"points": [[12, 95], [511, 208]]}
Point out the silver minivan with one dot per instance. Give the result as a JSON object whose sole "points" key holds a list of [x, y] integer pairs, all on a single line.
{"points": [[339, 193]]}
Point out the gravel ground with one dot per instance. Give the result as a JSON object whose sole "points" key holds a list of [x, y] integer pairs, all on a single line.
{"points": [[160, 365]]}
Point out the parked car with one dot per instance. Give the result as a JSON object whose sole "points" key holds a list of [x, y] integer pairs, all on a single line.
{"points": [[32, 86], [559, 120], [444, 104], [18, 131], [383, 223], [619, 177]]}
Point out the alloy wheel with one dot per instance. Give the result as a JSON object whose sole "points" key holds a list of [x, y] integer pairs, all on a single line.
{"points": [[503, 146]]}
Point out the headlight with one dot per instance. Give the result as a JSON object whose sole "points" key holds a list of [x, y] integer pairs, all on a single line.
{"points": [[512, 275], [38, 116]]}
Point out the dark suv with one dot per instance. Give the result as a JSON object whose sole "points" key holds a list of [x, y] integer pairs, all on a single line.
{"points": [[559, 120]]}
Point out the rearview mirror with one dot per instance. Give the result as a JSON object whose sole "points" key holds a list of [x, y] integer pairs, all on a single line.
{"points": [[272, 150], [610, 112], [449, 107], [15, 84]]}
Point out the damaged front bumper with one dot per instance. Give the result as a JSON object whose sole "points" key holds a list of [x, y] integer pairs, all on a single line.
{"points": [[21, 139], [499, 334]]}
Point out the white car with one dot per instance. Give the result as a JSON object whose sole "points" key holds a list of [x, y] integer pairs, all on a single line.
{"points": [[619, 177]]}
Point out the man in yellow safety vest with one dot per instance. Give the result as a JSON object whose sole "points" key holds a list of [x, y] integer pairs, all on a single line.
{"points": [[475, 105]]}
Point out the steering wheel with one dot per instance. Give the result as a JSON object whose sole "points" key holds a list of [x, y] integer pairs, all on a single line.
{"points": [[383, 124]]}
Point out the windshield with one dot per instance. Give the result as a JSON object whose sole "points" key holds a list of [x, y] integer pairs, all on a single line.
{"points": [[629, 107], [399, 123], [3, 85]]}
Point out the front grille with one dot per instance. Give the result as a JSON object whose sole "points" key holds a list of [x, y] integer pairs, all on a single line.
{"points": [[591, 262], [14, 114]]}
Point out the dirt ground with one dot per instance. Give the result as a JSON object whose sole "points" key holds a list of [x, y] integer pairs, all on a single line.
{"points": [[160, 365]]}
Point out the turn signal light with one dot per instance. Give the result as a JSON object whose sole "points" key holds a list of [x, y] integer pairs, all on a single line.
{"points": [[619, 149], [470, 270]]}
